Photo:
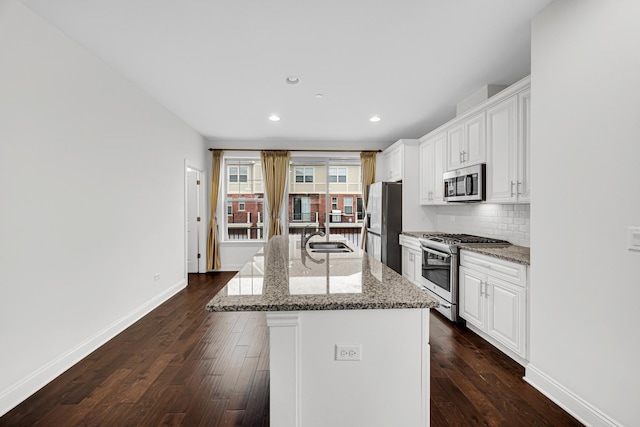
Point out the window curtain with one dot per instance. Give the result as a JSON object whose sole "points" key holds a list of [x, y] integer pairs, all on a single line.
{"points": [[368, 165], [213, 239], [275, 165]]}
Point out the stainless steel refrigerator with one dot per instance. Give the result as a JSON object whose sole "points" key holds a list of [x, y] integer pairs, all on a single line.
{"points": [[384, 223]]}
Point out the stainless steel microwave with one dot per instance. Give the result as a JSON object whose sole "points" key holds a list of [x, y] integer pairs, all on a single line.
{"points": [[465, 184]]}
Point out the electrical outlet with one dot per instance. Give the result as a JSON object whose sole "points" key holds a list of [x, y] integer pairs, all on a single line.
{"points": [[156, 277], [348, 352]]}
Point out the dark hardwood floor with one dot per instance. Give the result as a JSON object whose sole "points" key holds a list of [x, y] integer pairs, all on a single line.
{"points": [[181, 365]]}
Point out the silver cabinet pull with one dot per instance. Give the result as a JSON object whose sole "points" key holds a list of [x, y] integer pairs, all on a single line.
{"points": [[464, 156], [519, 184]]}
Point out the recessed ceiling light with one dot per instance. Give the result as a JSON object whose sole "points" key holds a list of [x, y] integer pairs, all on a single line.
{"points": [[319, 95], [375, 119], [274, 118], [292, 80]]}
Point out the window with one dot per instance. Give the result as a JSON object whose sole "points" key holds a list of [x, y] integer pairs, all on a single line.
{"points": [[348, 205], [327, 204], [360, 208], [337, 174], [238, 173], [301, 208], [304, 174], [244, 199]]}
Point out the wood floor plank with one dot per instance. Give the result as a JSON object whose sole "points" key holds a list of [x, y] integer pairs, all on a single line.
{"points": [[183, 366]]}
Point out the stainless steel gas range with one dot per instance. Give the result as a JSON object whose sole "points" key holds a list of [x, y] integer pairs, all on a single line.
{"points": [[440, 267]]}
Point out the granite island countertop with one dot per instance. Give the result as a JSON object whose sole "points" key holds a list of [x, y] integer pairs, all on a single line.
{"points": [[284, 277]]}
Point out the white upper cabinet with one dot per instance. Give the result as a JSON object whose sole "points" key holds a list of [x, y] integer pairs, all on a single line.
{"points": [[496, 132], [524, 145], [502, 133], [393, 158], [508, 149], [432, 160], [466, 142]]}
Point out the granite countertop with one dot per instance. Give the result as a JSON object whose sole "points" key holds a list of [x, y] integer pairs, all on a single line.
{"points": [[418, 234], [283, 277], [513, 253]]}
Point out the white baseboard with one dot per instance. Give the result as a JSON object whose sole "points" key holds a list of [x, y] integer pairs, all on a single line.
{"points": [[15, 394], [582, 410]]}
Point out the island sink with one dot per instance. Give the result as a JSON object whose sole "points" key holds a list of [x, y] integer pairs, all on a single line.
{"points": [[329, 247]]}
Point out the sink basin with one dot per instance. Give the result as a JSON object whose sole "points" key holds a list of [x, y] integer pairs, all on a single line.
{"points": [[329, 247]]}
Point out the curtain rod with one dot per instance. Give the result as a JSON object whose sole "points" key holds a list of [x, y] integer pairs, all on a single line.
{"points": [[305, 150]]}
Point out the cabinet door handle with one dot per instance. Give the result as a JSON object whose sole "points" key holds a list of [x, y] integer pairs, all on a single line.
{"points": [[460, 157], [519, 184], [486, 265], [464, 156], [512, 185]]}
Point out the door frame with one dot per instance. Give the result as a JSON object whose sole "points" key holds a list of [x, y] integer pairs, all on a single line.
{"points": [[202, 244]]}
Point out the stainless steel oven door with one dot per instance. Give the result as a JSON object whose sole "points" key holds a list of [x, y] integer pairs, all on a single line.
{"points": [[436, 272]]}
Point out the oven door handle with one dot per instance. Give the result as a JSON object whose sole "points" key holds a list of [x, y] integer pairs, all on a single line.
{"points": [[434, 252]]}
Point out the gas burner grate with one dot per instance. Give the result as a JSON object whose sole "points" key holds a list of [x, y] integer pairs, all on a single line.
{"points": [[454, 239]]}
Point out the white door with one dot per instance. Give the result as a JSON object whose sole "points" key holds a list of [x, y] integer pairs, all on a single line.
{"points": [[193, 220], [502, 161], [455, 142], [506, 316], [408, 268], [473, 152], [471, 297], [439, 143]]}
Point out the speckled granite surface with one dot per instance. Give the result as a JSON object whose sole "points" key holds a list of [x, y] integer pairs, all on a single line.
{"points": [[419, 234], [282, 277], [513, 253]]}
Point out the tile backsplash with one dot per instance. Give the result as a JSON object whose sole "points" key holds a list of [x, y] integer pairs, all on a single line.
{"points": [[507, 222]]}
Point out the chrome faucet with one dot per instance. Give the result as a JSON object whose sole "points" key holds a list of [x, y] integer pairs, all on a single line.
{"points": [[306, 237]]}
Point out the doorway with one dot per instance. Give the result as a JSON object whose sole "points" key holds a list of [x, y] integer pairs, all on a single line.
{"points": [[193, 215]]}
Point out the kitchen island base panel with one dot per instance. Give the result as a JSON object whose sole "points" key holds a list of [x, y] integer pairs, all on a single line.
{"points": [[388, 386]]}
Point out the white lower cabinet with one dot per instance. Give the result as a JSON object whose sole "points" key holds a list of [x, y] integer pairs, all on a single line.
{"points": [[411, 258], [493, 301]]}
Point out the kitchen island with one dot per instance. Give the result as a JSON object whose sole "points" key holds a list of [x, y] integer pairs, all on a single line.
{"points": [[349, 337]]}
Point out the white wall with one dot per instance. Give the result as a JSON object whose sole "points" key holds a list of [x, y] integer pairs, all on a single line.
{"points": [[92, 192], [585, 286]]}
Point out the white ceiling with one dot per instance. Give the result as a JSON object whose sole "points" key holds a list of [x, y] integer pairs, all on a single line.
{"points": [[221, 65]]}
